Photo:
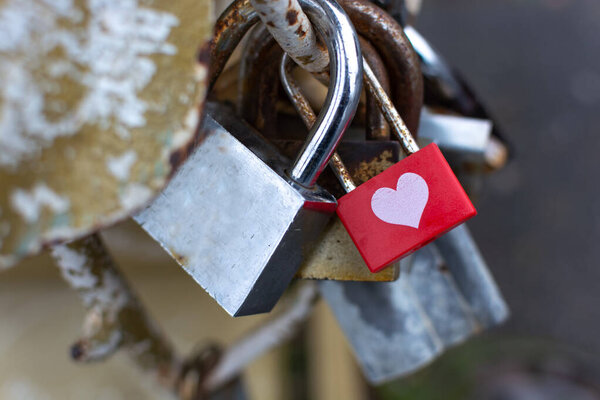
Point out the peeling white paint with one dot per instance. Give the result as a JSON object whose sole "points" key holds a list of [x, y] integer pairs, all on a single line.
{"points": [[134, 195], [74, 269], [107, 347], [105, 292], [120, 166], [29, 204], [108, 57]]}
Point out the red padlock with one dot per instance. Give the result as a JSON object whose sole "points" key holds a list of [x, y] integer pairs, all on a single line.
{"points": [[408, 205]]}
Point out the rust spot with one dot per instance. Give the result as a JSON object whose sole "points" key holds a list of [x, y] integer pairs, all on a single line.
{"points": [[368, 169], [181, 154], [300, 32], [77, 351], [307, 59], [203, 54], [271, 24], [291, 16], [176, 158], [321, 46], [180, 259]]}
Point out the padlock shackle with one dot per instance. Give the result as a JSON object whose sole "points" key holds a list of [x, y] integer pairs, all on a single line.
{"points": [[345, 70], [230, 28], [343, 95]]}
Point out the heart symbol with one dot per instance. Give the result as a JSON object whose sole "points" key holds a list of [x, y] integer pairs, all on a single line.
{"points": [[403, 206]]}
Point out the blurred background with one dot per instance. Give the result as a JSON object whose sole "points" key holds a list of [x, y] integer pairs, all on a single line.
{"points": [[536, 64]]}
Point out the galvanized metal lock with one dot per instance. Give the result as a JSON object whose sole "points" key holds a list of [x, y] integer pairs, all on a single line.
{"points": [[405, 207], [445, 294], [235, 215]]}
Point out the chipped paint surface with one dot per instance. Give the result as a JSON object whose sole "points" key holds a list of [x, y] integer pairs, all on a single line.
{"points": [[96, 96], [100, 289]]}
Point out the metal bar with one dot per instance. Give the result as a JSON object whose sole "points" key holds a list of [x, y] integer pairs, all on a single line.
{"points": [[309, 118], [116, 319], [271, 334], [399, 128], [290, 26], [377, 127], [345, 68]]}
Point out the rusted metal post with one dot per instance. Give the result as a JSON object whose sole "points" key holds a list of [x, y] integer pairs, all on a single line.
{"points": [[292, 29], [115, 317], [116, 320]]}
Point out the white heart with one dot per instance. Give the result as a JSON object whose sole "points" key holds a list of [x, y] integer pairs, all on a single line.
{"points": [[405, 205]]}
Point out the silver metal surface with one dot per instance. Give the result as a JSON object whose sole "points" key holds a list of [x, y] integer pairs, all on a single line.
{"points": [[445, 294], [472, 275], [456, 134], [345, 69], [309, 117], [231, 216], [231, 219], [390, 113], [432, 64]]}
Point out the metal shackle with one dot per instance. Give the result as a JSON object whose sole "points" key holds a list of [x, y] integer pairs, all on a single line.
{"points": [[345, 69]]}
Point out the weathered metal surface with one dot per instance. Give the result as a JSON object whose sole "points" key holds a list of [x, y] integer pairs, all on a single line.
{"points": [[290, 27], [257, 95], [335, 256], [230, 27], [473, 278], [115, 318], [377, 127], [398, 327], [399, 128], [240, 233], [258, 85], [388, 38], [98, 104]]}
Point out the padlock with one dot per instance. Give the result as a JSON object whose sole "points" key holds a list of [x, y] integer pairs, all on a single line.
{"points": [[335, 257], [236, 216], [397, 327], [408, 205]]}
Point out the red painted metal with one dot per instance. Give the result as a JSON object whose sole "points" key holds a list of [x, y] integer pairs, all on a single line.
{"points": [[404, 208]]}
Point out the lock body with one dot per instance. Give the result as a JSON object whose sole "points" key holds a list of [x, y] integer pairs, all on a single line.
{"points": [[335, 257], [233, 220], [404, 208], [437, 302]]}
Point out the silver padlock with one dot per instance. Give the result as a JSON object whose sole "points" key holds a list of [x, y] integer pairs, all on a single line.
{"points": [[445, 294], [236, 216]]}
